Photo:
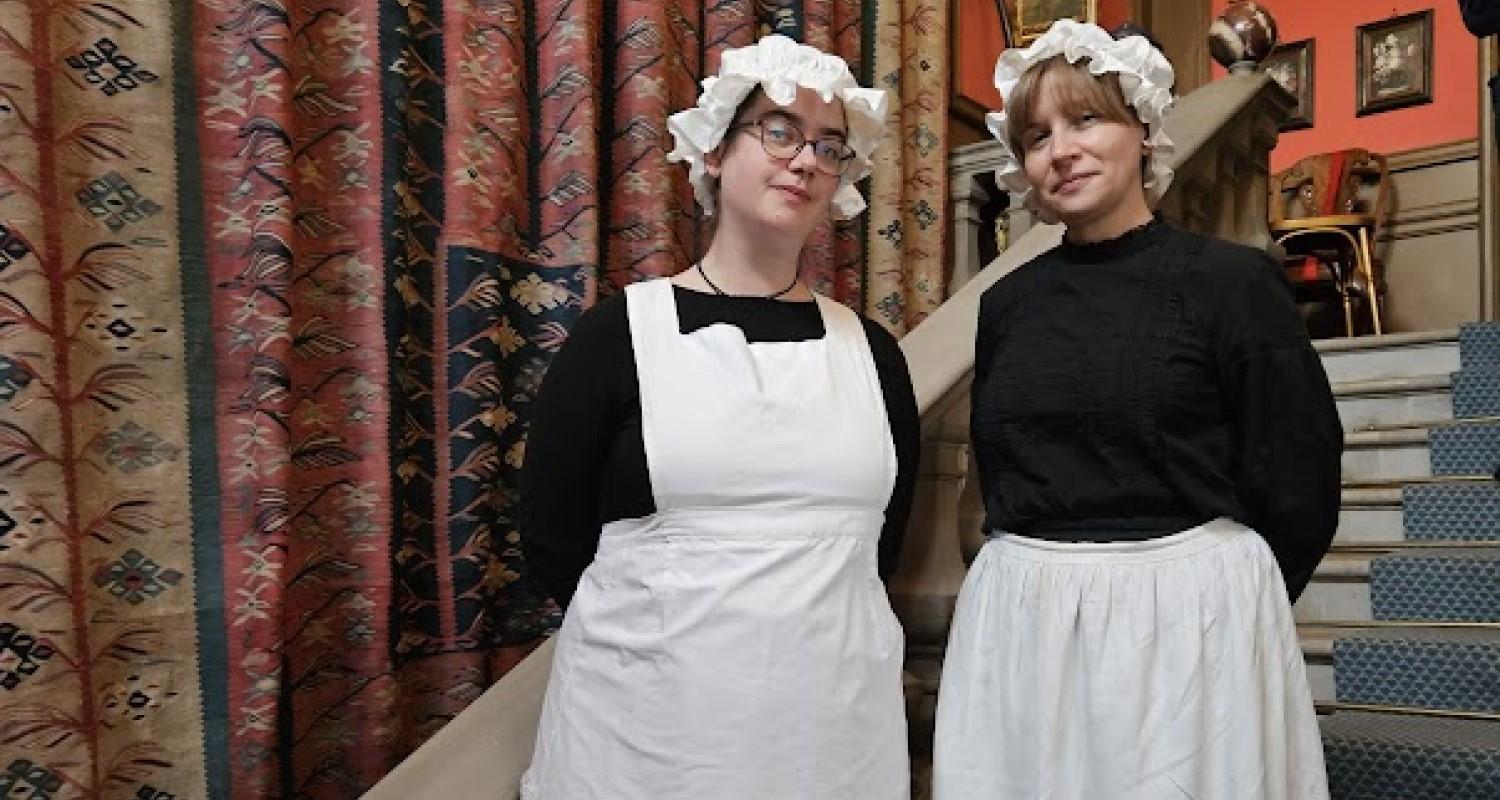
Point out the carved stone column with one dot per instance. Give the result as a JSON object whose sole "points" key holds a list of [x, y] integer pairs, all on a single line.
{"points": [[1020, 220], [968, 198]]}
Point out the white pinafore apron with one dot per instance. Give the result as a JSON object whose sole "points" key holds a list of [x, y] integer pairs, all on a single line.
{"points": [[1153, 670], [738, 642]]}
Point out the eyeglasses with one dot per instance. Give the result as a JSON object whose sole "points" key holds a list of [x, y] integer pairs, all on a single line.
{"points": [[781, 139]]}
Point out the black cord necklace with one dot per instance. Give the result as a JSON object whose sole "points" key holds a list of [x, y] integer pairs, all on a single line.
{"points": [[719, 291]]}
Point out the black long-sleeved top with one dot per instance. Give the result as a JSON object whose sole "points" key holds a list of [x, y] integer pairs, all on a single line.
{"points": [[585, 460], [1136, 387]]}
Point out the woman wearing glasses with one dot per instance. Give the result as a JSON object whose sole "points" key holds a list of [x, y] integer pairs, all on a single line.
{"points": [[719, 470]]}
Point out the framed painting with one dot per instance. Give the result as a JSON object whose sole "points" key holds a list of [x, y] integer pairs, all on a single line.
{"points": [[1291, 65], [1393, 63], [1032, 18]]}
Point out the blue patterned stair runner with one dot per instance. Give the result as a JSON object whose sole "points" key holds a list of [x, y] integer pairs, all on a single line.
{"points": [[1451, 585], [1479, 345], [1465, 448], [1401, 757], [1476, 386], [1451, 511], [1394, 757], [1456, 670], [1476, 392]]}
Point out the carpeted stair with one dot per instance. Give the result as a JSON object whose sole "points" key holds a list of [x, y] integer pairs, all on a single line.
{"points": [[1375, 756], [1457, 670], [1401, 625]]}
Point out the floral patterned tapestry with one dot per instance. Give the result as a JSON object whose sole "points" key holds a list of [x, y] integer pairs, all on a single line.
{"points": [[278, 281]]}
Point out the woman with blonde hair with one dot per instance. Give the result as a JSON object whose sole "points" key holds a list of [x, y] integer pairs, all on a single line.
{"points": [[1158, 452], [719, 471]]}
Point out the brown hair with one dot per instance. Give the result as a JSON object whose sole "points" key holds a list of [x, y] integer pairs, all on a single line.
{"points": [[1073, 87], [719, 150]]}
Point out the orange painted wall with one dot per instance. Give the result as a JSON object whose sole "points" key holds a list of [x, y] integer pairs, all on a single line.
{"points": [[980, 43], [1452, 115]]}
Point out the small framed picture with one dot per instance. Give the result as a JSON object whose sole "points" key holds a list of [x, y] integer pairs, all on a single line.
{"points": [[1291, 65], [1393, 63], [1032, 18]]}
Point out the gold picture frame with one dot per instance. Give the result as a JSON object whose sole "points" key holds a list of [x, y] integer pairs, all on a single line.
{"points": [[1032, 18]]}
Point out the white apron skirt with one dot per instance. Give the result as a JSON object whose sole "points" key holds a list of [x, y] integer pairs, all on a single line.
{"points": [[1150, 670], [738, 643]]}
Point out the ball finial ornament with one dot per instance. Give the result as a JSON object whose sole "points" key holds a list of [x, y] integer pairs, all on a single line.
{"points": [[1242, 36]]}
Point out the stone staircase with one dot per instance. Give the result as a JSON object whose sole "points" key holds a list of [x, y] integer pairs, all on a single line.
{"points": [[1401, 624]]}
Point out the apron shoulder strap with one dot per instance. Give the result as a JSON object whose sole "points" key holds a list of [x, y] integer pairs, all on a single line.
{"points": [[840, 320], [653, 315]]}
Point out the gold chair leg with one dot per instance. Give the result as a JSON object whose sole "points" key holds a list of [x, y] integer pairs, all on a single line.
{"points": [[1348, 311], [1367, 263]]}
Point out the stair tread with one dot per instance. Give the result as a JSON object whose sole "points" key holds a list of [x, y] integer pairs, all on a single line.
{"points": [[1414, 432], [1347, 543], [1355, 561], [1317, 638], [1455, 636], [1430, 480], [1468, 553], [1410, 384], [1423, 424], [1336, 564], [1386, 341], [1467, 422], [1316, 642], [1391, 436], [1412, 731], [1358, 497]]}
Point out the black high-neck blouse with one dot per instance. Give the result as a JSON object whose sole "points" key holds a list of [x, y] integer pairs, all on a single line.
{"points": [[1136, 387]]}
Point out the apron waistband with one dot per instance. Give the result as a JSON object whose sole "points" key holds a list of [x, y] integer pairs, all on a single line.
{"points": [[1162, 548], [686, 525]]}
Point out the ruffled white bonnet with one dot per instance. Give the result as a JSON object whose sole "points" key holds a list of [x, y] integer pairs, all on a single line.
{"points": [[1145, 78], [779, 66]]}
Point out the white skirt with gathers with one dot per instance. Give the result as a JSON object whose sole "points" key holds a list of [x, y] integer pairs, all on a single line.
{"points": [[1152, 670]]}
